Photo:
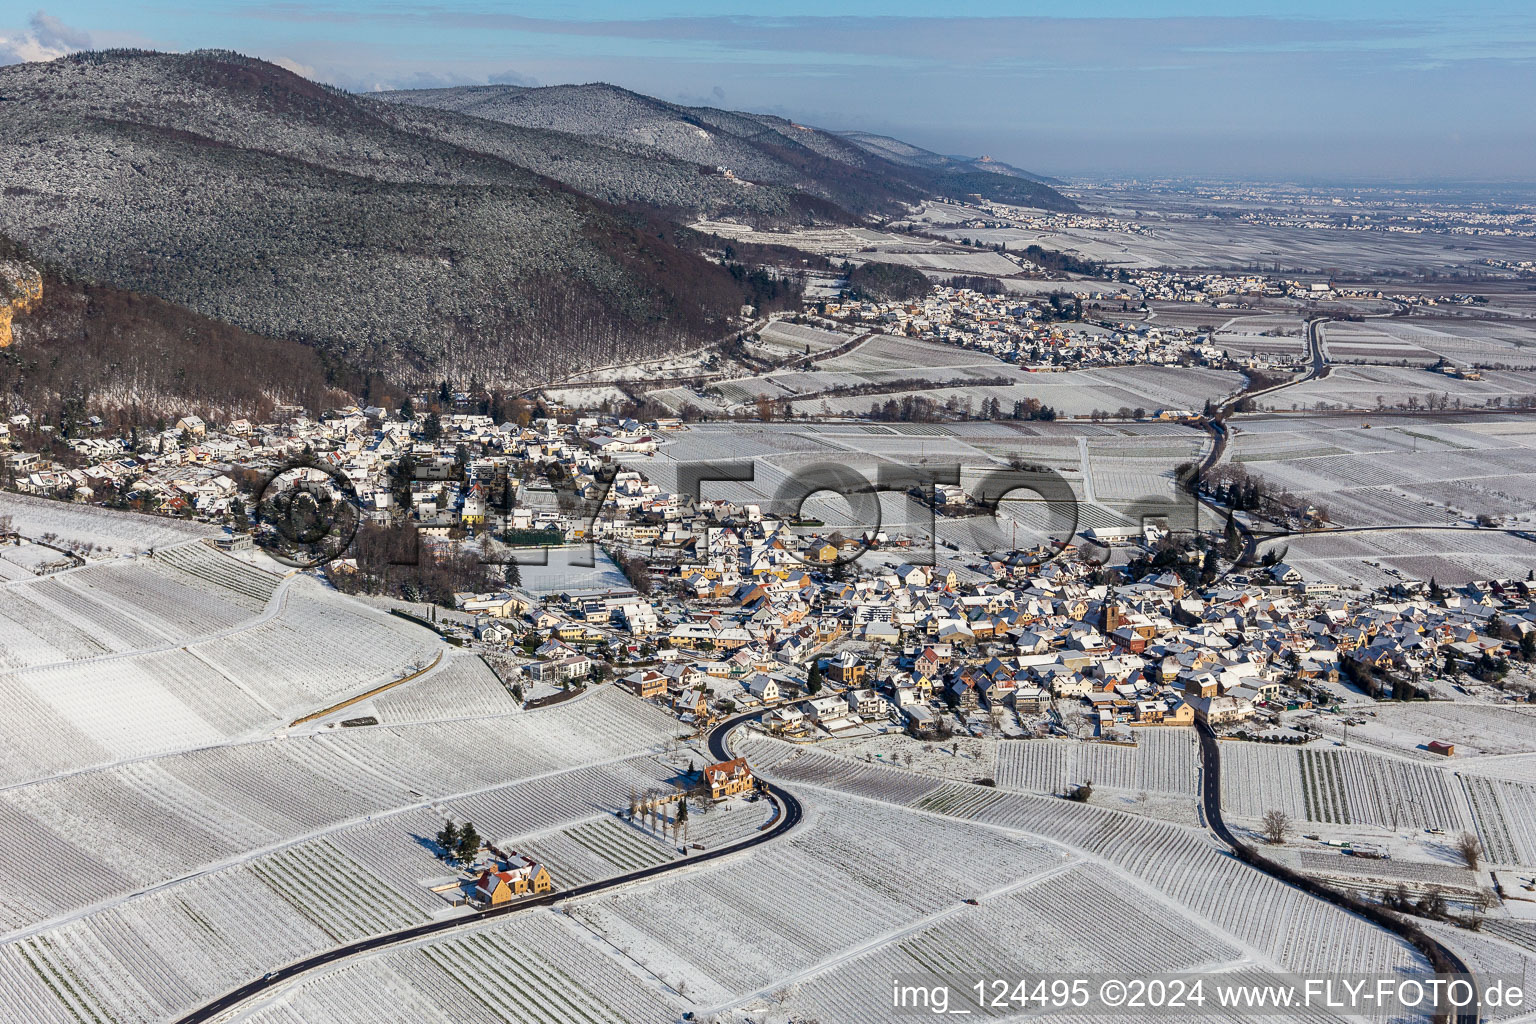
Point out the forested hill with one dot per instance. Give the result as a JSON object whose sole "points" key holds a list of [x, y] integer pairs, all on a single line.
{"points": [[397, 238]]}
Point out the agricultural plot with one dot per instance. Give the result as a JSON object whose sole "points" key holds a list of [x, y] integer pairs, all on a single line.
{"points": [[461, 687], [1505, 815], [335, 893], [1067, 921], [1366, 388], [795, 339], [294, 664], [540, 969], [104, 531], [1162, 761], [985, 264], [1075, 393], [1473, 728], [160, 957], [1260, 777], [596, 849], [1451, 557], [228, 576], [890, 352], [1296, 931], [1330, 785], [1401, 472], [172, 698], [551, 801], [1267, 335], [1490, 955], [839, 884], [1424, 341], [371, 989]]}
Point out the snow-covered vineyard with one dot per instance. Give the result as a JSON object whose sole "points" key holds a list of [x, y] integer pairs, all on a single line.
{"points": [[148, 759], [215, 819], [873, 885], [196, 649]]}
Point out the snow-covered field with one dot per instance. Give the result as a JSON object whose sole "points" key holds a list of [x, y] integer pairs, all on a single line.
{"points": [[1075, 393], [1366, 388], [1379, 472], [199, 871], [1164, 761], [1421, 342], [108, 532]]}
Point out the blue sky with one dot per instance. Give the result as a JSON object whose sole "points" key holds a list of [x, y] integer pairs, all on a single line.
{"points": [[1282, 90]]}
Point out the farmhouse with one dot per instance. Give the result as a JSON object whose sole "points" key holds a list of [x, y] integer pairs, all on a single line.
{"points": [[728, 778], [518, 877]]}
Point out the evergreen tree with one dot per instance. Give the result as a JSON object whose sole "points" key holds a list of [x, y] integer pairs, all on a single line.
{"points": [[469, 842], [448, 838]]}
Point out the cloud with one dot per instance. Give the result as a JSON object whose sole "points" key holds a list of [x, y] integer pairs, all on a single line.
{"points": [[513, 78], [45, 38], [302, 70]]}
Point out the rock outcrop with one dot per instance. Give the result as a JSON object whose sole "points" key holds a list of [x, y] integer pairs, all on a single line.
{"points": [[21, 287]]}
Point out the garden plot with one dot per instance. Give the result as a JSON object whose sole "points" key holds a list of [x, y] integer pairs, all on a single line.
{"points": [[1505, 813], [1367, 388], [104, 531], [844, 879]]}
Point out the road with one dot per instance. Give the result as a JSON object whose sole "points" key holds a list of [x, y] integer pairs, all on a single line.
{"points": [[791, 815], [1440, 956]]}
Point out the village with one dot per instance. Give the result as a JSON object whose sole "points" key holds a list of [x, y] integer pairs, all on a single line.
{"points": [[729, 608]]}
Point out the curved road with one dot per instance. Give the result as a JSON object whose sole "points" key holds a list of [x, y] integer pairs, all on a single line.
{"points": [[791, 815], [1440, 956]]}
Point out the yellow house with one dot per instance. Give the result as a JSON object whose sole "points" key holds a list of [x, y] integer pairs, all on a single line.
{"points": [[728, 778], [521, 878]]}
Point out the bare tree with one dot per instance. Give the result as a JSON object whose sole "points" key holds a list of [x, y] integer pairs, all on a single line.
{"points": [[1276, 824], [1470, 848]]}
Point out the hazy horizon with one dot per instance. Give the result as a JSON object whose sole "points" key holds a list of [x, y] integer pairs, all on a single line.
{"points": [[1293, 90]]}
